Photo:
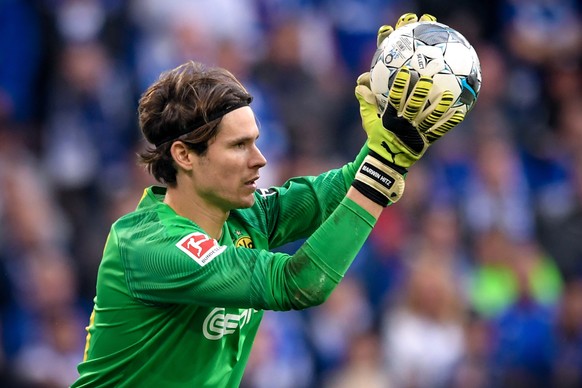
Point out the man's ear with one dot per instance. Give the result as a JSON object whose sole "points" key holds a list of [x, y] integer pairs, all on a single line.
{"points": [[182, 155]]}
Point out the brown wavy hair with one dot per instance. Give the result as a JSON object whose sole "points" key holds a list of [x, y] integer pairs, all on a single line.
{"points": [[182, 105]]}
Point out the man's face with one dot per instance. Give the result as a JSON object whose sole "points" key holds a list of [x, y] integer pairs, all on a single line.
{"points": [[226, 175]]}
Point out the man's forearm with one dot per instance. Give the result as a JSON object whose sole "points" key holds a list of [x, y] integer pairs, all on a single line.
{"points": [[322, 261]]}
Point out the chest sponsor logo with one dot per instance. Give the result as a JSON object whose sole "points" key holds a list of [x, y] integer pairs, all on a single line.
{"points": [[245, 242], [201, 248], [219, 323]]}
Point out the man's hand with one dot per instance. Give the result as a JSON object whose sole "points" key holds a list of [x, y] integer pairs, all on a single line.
{"points": [[407, 127], [385, 30], [401, 134]]}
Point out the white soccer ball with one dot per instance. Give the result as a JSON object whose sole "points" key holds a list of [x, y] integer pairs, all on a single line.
{"points": [[428, 48]]}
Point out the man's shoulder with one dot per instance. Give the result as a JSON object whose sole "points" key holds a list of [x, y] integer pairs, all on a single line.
{"points": [[152, 224]]}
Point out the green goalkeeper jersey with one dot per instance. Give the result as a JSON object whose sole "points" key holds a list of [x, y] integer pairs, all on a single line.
{"points": [[176, 308]]}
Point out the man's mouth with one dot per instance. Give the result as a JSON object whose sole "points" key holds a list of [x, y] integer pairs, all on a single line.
{"points": [[252, 182]]}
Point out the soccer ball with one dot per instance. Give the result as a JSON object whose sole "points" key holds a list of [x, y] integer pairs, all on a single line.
{"points": [[428, 48]]}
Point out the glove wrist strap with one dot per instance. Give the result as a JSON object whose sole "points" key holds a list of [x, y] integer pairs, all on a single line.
{"points": [[380, 180], [398, 169]]}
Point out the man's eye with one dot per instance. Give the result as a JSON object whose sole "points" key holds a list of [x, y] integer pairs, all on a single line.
{"points": [[240, 145]]}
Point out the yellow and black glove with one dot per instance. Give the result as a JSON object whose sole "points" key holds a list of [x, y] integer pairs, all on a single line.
{"points": [[401, 134]]}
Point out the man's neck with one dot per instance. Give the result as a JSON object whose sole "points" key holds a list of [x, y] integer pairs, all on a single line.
{"points": [[186, 204]]}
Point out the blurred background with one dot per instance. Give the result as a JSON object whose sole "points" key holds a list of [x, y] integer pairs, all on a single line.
{"points": [[474, 279]]}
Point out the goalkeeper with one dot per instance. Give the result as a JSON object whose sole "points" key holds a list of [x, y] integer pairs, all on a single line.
{"points": [[185, 278]]}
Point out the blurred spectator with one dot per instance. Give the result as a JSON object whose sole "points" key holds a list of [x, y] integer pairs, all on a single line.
{"points": [[474, 367], [332, 326], [31, 222], [90, 123], [172, 31], [21, 48], [363, 367], [560, 231], [48, 318], [280, 356], [381, 267], [542, 32], [423, 333], [50, 358], [523, 342], [28, 209], [304, 109], [88, 133], [440, 236], [52, 361], [355, 24], [492, 286], [497, 194], [495, 283], [567, 363], [125, 198]]}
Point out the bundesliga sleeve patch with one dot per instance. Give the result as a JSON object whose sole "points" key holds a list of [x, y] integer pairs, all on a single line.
{"points": [[201, 248]]}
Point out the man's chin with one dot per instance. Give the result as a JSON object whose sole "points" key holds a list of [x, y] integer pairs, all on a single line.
{"points": [[247, 203]]}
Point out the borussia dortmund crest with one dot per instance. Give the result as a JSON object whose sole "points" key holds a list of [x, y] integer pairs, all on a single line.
{"points": [[244, 242]]}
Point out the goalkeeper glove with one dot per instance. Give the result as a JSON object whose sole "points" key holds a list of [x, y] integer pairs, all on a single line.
{"points": [[408, 18], [400, 135]]}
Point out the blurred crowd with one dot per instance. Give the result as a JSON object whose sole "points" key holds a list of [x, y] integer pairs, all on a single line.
{"points": [[474, 279]]}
